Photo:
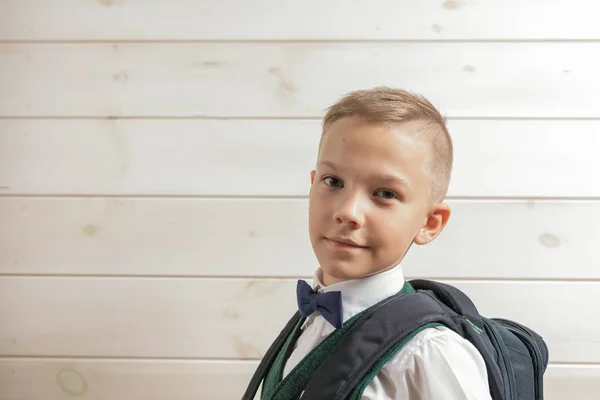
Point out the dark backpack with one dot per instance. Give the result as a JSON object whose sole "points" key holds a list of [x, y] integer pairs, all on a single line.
{"points": [[515, 356]]}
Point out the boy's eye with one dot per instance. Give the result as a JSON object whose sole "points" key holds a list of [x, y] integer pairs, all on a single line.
{"points": [[332, 181], [387, 194]]}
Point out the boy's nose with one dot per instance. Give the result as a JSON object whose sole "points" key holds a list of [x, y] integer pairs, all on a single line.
{"points": [[351, 210]]}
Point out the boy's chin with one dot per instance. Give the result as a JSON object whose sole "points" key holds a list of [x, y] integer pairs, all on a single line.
{"points": [[335, 273]]}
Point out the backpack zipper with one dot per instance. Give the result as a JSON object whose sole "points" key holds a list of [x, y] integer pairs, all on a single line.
{"points": [[523, 333], [509, 383]]}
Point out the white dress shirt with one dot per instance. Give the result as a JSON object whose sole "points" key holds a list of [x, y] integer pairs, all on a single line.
{"points": [[436, 364]]}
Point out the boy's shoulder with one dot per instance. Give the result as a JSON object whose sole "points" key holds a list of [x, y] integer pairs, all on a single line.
{"points": [[439, 362], [433, 343]]}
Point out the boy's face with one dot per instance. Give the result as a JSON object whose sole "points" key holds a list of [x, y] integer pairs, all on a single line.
{"points": [[369, 188]]}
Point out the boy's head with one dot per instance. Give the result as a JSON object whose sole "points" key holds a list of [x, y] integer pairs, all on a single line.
{"points": [[383, 170]]}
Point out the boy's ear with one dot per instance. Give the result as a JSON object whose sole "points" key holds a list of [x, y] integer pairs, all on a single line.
{"points": [[435, 224]]}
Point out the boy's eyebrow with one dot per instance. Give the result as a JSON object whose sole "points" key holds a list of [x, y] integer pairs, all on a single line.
{"points": [[329, 164], [395, 179], [384, 177]]}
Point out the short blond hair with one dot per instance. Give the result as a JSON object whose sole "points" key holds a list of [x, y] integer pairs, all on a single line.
{"points": [[392, 107]]}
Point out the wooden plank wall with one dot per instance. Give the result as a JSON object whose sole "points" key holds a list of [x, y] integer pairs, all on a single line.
{"points": [[155, 156]]}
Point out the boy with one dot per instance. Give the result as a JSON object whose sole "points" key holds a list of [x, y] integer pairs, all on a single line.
{"points": [[382, 172]]}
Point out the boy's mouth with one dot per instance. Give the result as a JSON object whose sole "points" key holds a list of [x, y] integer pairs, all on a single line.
{"points": [[344, 243]]}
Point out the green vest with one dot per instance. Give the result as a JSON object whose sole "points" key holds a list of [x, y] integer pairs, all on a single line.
{"points": [[274, 388]]}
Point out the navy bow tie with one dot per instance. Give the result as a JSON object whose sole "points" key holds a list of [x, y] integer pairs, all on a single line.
{"points": [[329, 305]]}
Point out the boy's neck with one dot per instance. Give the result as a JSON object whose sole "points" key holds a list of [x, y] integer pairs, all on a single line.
{"points": [[328, 280]]}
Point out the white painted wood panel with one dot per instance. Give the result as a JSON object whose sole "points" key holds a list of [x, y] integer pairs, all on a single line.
{"points": [[269, 237], [288, 19], [525, 158], [577, 382], [176, 380], [238, 318], [123, 379], [278, 79]]}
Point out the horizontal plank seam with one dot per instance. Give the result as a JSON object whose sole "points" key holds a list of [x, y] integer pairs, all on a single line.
{"points": [[284, 197], [349, 40], [272, 117], [290, 278], [205, 359], [110, 358]]}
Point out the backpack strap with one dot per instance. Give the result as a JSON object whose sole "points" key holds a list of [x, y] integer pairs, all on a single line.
{"points": [[343, 370], [269, 358], [458, 302]]}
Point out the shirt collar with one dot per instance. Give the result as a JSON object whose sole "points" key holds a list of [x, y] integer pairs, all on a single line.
{"points": [[360, 294]]}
